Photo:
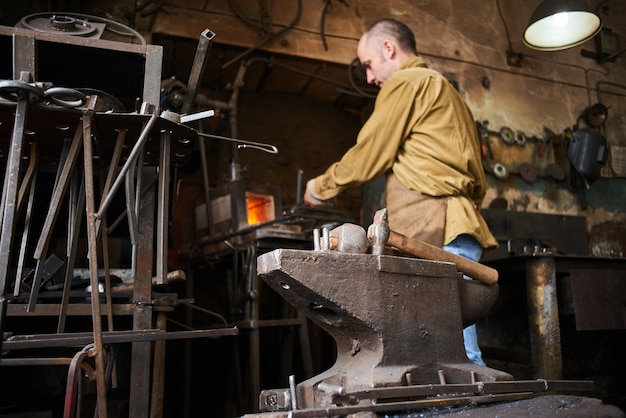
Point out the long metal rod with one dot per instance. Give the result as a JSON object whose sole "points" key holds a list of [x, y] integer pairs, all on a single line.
{"points": [[106, 266], [10, 197], [36, 361], [131, 211], [31, 173], [409, 405], [135, 209], [123, 215], [163, 202], [60, 189], [71, 255], [197, 68], [93, 267], [113, 337], [29, 212], [206, 183], [243, 143], [53, 212], [482, 388], [115, 158], [158, 375], [137, 148]]}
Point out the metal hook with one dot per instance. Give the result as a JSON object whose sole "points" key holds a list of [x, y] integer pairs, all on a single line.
{"points": [[242, 143]]}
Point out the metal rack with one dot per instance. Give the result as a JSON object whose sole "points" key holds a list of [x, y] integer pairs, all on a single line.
{"points": [[50, 124]]}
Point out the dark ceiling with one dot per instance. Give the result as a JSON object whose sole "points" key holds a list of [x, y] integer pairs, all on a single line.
{"points": [[264, 72], [341, 85]]}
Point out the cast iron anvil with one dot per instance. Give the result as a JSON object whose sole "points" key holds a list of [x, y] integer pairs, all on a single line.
{"points": [[395, 320]]}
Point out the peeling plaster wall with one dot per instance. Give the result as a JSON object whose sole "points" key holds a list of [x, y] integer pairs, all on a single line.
{"points": [[550, 89]]}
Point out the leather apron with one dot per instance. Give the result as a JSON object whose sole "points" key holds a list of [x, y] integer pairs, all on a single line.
{"points": [[415, 215]]}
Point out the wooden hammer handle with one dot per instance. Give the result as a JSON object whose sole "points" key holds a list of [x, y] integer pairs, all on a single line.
{"points": [[426, 251]]}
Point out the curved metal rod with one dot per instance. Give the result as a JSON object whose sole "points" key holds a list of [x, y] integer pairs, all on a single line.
{"points": [[269, 148]]}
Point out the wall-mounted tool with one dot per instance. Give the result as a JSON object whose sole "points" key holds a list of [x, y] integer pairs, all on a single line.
{"points": [[499, 170], [507, 136], [596, 115], [528, 172], [587, 152], [490, 165]]}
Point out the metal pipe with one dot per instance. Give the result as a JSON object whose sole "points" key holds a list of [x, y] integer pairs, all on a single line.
{"points": [[292, 391], [197, 68], [543, 311]]}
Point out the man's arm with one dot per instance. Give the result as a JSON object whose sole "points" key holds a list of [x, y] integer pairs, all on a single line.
{"points": [[376, 148]]}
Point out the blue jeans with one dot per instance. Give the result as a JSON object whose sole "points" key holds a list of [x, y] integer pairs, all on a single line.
{"points": [[467, 246]]}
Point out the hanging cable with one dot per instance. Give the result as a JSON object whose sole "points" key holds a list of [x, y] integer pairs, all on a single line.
{"points": [[506, 29], [268, 35]]}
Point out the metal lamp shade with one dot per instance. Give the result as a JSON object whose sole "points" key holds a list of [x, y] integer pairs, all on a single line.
{"points": [[561, 24]]}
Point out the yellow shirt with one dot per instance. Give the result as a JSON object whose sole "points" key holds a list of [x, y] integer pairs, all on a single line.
{"points": [[422, 130]]}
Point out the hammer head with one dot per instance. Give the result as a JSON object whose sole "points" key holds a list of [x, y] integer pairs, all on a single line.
{"points": [[349, 238], [378, 232]]}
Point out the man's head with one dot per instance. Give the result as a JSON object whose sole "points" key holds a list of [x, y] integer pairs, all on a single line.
{"points": [[383, 48]]}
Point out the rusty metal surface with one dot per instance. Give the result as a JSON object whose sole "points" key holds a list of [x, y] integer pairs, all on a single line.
{"points": [[545, 334], [395, 320], [142, 316]]}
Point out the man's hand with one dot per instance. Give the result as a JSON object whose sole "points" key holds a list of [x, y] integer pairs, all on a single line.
{"points": [[309, 195]]}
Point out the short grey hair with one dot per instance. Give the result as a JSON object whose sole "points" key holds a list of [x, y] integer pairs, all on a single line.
{"points": [[395, 29]]}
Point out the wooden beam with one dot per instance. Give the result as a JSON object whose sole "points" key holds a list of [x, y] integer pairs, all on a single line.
{"points": [[231, 30]]}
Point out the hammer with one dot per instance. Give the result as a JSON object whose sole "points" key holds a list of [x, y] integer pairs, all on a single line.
{"points": [[348, 238], [380, 235]]}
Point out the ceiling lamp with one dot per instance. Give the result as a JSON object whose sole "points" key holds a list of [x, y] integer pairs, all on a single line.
{"points": [[561, 24]]}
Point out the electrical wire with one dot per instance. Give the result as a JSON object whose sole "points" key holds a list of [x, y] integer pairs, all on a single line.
{"points": [[323, 22], [371, 93], [522, 56], [608, 83], [506, 29], [265, 39], [586, 70], [364, 93]]}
